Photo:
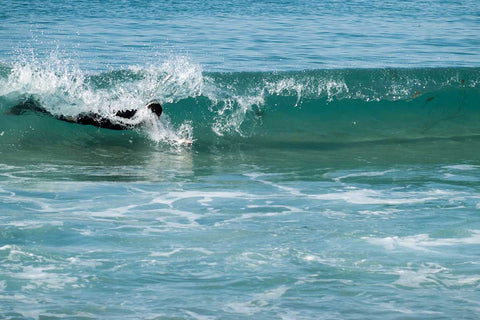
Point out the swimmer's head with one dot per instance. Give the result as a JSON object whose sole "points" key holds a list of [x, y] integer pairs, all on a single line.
{"points": [[156, 107]]}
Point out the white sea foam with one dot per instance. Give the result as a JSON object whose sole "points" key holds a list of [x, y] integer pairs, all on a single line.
{"points": [[253, 260], [462, 167], [17, 253], [6, 194], [379, 212], [369, 196], [275, 210], [255, 177], [180, 250], [420, 277], [424, 241], [26, 300], [114, 212], [363, 174], [333, 214], [315, 258], [45, 277], [432, 274], [56, 315], [29, 225], [78, 261], [30, 203], [204, 196], [188, 215], [258, 302], [197, 316], [392, 306], [6, 167]]}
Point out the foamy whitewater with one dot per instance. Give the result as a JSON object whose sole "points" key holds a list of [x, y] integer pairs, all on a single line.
{"points": [[314, 160]]}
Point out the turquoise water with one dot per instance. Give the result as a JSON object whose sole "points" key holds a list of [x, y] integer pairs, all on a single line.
{"points": [[334, 171]]}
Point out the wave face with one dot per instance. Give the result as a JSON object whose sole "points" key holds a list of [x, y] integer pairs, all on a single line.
{"points": [[302, 107]]}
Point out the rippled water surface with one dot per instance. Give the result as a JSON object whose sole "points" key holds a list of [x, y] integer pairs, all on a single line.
{"points": [[248, 35], [333, 173]]}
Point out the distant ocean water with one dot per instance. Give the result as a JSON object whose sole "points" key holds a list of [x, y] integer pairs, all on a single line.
{"points": [[334, 171]]}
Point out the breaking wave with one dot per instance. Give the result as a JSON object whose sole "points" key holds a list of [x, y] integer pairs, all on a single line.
{"points": [[310, 106]]}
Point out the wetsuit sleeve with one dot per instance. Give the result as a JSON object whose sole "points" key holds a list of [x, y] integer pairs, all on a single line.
{"points": [[99, 121]]}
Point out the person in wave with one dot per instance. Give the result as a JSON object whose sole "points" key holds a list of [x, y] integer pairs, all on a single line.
{"points": [[122, 120]]}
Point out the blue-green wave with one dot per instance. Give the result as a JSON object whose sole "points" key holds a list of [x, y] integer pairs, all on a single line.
{"points": [[304, 107]]}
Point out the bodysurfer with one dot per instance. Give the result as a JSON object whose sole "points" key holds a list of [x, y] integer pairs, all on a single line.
{"points": [[122, 120]]}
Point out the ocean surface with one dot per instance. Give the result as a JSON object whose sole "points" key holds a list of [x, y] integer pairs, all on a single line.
{"points": [[333, 170]]}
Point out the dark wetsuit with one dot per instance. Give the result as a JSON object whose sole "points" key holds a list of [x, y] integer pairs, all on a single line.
{"points": [[97, 120], [89, 118]]}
